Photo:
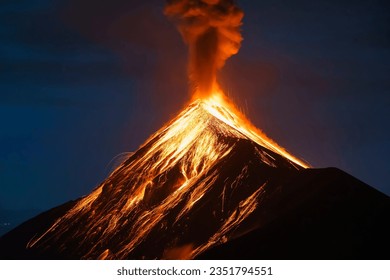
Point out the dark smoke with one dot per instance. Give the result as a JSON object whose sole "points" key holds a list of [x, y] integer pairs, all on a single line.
{"points": [[211, 28]]}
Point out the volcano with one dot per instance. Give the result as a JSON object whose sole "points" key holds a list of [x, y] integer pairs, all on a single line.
{"points": [[208, 185]]}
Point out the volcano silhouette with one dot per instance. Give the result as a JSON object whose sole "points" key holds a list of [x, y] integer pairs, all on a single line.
{"points": [[206, 187]]}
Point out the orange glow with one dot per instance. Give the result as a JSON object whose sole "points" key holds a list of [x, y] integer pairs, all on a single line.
{"points": [[211, 29], [192, 144], [218, 105], [173, 198]]}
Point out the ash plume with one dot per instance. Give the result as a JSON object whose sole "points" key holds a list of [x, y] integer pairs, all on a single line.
{"points": [[211, 29]]}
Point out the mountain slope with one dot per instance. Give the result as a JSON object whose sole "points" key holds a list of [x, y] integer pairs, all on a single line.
{"points": [[13, 244], [203, 180], [10, 219], [193, 178], [324, 214]]}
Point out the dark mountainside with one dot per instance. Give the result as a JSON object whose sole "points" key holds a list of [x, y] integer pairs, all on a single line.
{"points": [[332, 216], [9, 219], [338, 218], [201, 188], [13, 244]]}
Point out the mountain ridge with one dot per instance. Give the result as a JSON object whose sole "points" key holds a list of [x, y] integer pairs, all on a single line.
{"points": [[205, 180]]}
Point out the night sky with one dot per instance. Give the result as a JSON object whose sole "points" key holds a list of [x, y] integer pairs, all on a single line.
{"points": [[82, 81]]}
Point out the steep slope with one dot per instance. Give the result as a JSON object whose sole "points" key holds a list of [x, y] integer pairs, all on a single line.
{"points": [[206, 185], [188, 188]]}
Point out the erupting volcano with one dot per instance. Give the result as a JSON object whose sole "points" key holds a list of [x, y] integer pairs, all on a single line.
{"points": [[192, 179], [209, 184]]}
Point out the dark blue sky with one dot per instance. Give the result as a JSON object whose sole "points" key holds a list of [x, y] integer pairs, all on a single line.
{"points": [[83, 81]]}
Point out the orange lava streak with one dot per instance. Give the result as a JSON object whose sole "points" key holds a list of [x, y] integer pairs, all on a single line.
{"points": [[184, 169], [218, 105], [244, 209], [139, 196]]}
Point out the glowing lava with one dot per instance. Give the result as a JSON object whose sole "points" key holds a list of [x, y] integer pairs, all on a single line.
{"points": [[195, 183], [220, 107], [146, 207]]}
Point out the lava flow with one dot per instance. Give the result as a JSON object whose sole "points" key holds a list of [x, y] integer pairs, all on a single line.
{"points": [[149, 206], [209, 184], [195, 183], [219, 106]]}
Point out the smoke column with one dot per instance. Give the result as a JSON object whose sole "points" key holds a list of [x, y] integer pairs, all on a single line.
{"points": [[211, 29]]}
